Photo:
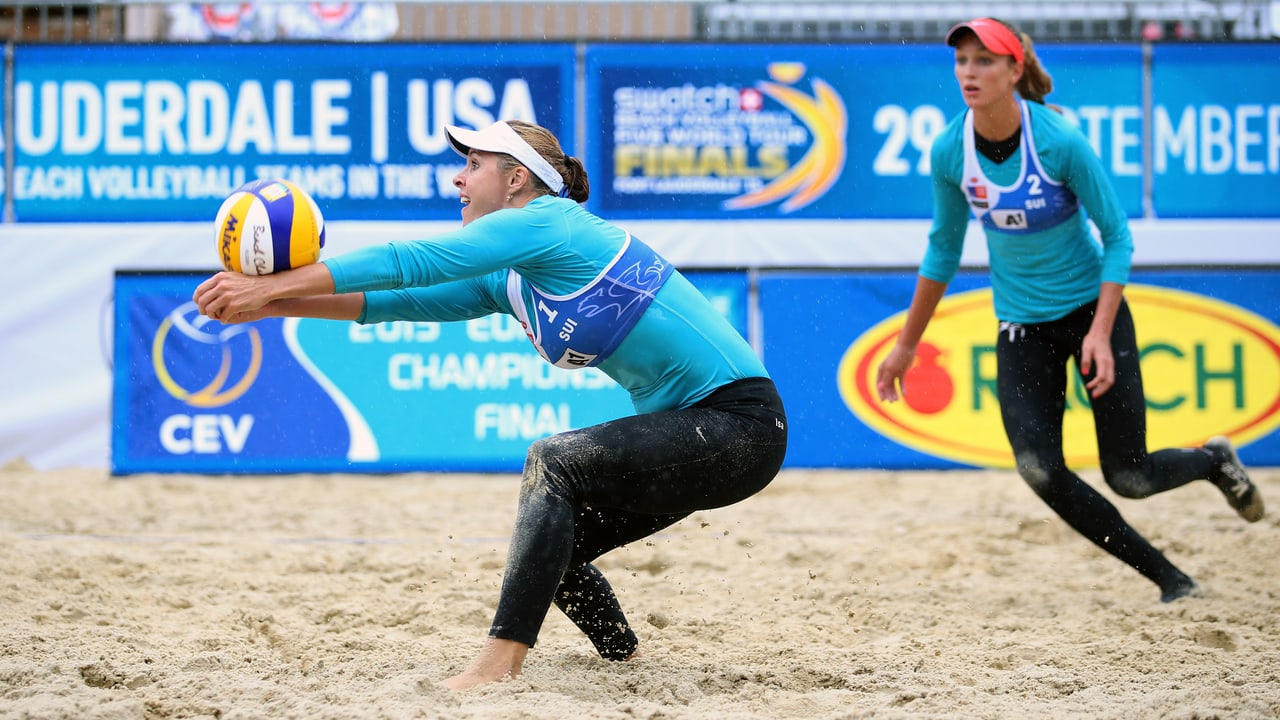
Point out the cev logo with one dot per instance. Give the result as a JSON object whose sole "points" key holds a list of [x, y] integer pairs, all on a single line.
{"points": [[1208, 368], [184, 327]]}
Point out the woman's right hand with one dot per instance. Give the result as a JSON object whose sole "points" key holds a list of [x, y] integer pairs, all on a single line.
{"points": [[232, 297], [892, 368]]}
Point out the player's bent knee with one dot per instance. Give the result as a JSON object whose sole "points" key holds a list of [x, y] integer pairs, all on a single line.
{"points": [[1035, 475], [1131, 484], [546, 464]]}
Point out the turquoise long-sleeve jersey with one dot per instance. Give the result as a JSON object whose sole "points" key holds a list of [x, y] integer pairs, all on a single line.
{"points": [[1043, 275], [679, 351]]}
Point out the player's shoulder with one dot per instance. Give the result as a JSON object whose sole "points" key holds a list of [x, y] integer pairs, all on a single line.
{"points": [[951, 140], [953, 131], [1052, 123], [1046, 113], [946, 155]]}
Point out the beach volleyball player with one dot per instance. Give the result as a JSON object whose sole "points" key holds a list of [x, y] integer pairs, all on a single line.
{"points": [[709, 428], [1033, 181]]}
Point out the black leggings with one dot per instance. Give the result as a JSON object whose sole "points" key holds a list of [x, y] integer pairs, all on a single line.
{"points": [[588, 491], [1032, 386]]}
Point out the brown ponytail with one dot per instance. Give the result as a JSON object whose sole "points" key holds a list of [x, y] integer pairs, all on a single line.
{"points": [[575, 179], [1036, 82]]}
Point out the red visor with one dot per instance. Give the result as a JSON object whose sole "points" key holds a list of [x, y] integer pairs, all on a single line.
{"points": [[993, 35]]}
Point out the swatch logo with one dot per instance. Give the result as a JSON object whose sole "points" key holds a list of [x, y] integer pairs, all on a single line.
{"points": [[824, 114], [1208, 368]]}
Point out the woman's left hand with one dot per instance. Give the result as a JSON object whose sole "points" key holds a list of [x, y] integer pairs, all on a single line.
{"points": [[1096, 358]]}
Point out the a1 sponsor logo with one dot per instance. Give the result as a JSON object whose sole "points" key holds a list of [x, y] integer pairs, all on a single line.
{"points": [[1209, 368]]}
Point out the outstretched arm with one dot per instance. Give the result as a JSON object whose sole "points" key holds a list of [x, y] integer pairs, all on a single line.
{"points": [[925, 300], [325, 307]]}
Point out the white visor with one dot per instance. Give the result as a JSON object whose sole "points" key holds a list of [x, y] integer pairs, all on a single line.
{"points": [[500, 138]]}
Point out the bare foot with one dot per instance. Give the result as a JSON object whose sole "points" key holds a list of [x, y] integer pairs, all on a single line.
{"points": [[498, 660]]}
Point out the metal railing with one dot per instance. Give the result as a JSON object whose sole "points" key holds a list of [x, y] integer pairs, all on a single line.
{"points": [[678, 20], [1054, 20], [559, 20]]}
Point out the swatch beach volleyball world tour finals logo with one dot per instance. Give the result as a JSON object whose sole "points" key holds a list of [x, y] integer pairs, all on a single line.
{"points": [[730, 141], [1209, 368]]}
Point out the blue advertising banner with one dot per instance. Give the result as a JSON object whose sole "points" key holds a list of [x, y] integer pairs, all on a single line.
{"points": [[1209, 342], [764, 131], [290, 395], [165, 132], [769, 131], [1100, 88], [196, 395], [1216, 130]]}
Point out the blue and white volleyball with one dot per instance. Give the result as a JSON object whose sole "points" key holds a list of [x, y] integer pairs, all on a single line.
{"points": [[266, 226]]}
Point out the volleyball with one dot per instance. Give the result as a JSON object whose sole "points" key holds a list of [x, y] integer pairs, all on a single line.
{"points": [[266, 226]]}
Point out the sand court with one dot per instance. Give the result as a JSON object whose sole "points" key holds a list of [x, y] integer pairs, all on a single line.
{"points": [[832, 594]]}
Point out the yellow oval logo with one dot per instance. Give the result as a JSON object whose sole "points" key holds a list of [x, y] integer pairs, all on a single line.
{"points": [[1208, 368]]}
